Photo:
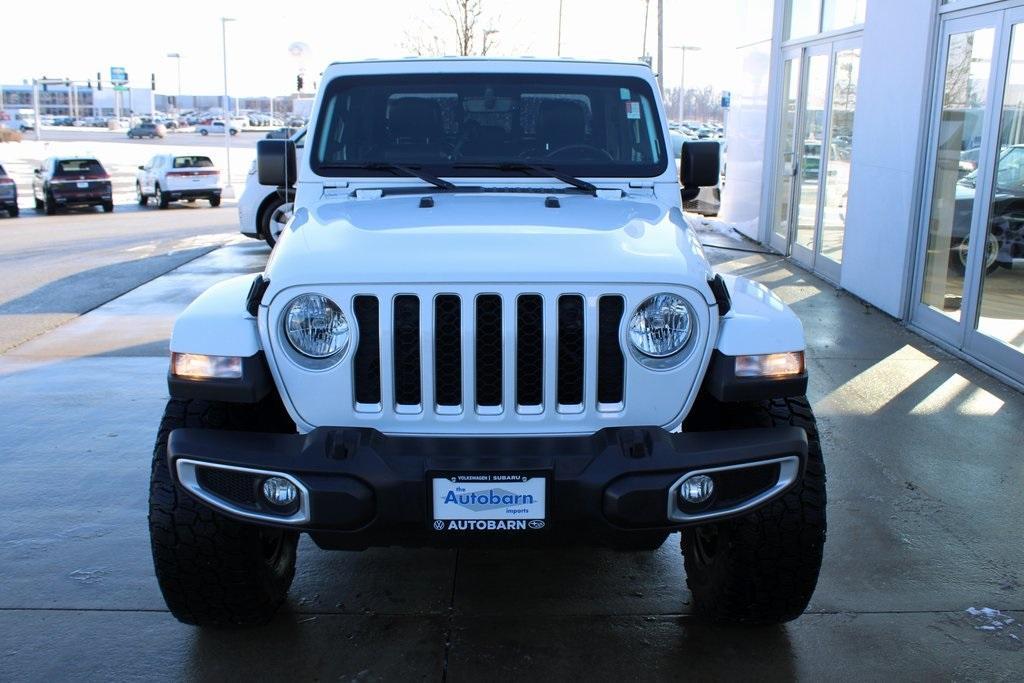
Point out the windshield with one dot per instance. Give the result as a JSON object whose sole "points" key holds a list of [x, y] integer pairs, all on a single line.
{"points": [[604, 126]]}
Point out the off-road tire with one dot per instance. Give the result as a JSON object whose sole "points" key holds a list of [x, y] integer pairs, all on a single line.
{"points": [[761, 568], [214, 570]]}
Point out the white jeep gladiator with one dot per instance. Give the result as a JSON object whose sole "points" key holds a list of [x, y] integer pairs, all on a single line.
{"points": [[487, 322]]}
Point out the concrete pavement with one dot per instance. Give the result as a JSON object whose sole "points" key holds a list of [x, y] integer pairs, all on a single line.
{"points": [[925, 513]]}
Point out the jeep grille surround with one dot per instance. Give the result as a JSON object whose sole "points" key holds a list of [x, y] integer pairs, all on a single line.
{"points": [[484, 358], [489, 351]]}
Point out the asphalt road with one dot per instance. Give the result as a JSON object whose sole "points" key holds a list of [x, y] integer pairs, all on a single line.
{"points": [[57, 267], [923, 577]]}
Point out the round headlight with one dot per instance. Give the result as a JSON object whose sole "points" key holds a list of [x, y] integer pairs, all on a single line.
{"points": [[661, 325], [315, 326]]}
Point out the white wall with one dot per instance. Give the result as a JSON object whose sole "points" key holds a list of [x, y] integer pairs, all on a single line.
{"points": [[890, 119], [748, 117]]}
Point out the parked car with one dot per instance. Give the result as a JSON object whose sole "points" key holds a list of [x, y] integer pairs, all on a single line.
{"points": [[169, 177], [215, 128], [147, 130], [488, 323], [65, 182], [263, 210], [8, 194], [1004, 236], [281, 133]]}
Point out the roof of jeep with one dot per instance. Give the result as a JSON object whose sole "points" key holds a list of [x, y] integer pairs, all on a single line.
{"points": [[481, 58]]}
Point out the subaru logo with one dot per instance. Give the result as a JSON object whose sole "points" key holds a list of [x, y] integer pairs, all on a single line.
{"points": [[536, 523]]}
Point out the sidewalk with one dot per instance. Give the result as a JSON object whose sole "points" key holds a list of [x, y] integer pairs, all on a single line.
{"points": [[923, 575]]}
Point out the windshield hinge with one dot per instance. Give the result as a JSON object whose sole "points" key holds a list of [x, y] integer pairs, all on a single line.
{"points": [[369, 193], [334, 190]]}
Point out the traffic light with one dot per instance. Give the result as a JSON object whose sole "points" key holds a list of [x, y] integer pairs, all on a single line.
{"points": [[298, 83], [99, 81]]}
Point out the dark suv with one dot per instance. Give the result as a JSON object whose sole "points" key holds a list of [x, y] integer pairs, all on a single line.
{"points": [[8, 194], [63, 182]]}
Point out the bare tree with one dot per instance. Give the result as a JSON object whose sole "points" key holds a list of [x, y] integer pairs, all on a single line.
{"points": [[465, 21]]}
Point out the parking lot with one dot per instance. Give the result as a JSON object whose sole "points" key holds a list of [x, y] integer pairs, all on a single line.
{"points": [[924, 505]]}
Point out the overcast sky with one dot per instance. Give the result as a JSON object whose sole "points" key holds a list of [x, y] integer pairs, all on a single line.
{"points": [[70, 38]]}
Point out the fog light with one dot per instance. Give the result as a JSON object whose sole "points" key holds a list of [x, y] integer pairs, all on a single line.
{"points": [[279, 491], [697, 489]]}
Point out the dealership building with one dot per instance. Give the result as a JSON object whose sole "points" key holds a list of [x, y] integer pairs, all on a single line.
{"points": [[880, 144]]}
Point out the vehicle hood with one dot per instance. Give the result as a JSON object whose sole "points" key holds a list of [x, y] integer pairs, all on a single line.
{"points": [[491, 237]]}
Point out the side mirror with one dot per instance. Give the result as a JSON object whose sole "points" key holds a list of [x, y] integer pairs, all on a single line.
{"points": [[142, 168], [37, 171], [275, 163], [700, 166]]}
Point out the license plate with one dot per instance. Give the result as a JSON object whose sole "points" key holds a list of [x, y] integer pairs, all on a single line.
{"points": [[83, 186], [489, 502]]}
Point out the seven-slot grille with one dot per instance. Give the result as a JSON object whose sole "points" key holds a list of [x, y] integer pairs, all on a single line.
{"points": [[503, 338]]}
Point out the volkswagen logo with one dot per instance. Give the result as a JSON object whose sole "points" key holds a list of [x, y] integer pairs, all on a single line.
{"points": [[439, 525], [536, 523]]}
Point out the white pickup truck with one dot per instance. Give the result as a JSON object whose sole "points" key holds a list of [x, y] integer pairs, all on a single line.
{"points": [[172, 177], [217, 128], [486, 322]]}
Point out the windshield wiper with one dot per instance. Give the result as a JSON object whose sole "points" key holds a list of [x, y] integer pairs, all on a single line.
{"points": [[536, 168], [397, 169]]}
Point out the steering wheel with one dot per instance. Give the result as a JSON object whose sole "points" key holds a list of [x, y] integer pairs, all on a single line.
{"points": [[594, 152]]}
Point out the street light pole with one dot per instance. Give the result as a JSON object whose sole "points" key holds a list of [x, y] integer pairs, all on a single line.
{"points": [[682, 75], [229, 191], [559, 46], [177, 102]]}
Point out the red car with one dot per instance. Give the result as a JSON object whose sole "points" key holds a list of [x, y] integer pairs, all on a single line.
{"points": [[64, 182]]}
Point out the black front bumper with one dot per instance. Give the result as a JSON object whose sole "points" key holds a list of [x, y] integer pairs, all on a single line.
{"points": [[368, 489]]}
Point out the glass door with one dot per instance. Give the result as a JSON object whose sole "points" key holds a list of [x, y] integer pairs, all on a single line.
{"points": [[996, 308], [970, 285], [819, 96], [786, 164]]}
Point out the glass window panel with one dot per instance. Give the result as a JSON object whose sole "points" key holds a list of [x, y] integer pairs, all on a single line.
{"points": [[810, 148], [837, 182], [803, 18], [842, 14], [964, 94], [787, 128], [1001, 312]]}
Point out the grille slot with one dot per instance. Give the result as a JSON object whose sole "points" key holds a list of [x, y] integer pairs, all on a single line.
{"points": [[610, 361], [407, 349], [530, 350], [570, 350], [488, 350], [448, 350], [367, 358], [237, 487]]}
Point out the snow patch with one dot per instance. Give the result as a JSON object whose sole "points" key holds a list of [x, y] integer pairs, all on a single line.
{"points": [[713, 225], [993, 621]]}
